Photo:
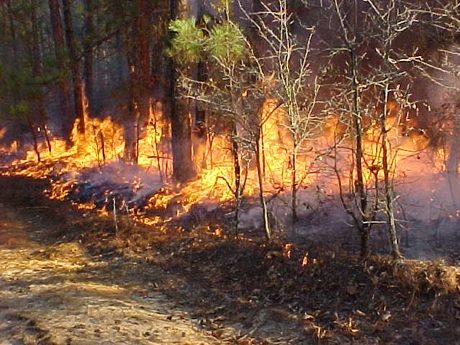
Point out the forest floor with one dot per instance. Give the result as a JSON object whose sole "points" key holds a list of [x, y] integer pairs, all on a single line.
{"points": [[70, 276]]}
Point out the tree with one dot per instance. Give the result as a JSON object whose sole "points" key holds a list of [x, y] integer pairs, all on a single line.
{"points": [[232, 92], [350, 99], [66, 117], [137, 46], [181, 134], [22, 98], [74, 61], [37, 71], [88, 55], [383, 61], [392, 20], [288, 55]]}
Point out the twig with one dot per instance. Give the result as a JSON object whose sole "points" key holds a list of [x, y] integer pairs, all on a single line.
{"points": [[127, 213], [115, 215]]}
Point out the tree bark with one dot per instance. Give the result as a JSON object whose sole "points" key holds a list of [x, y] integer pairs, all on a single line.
{"points": [[131, 120], [183, 167], [65, 118], [138, 57], [74, 67], [237, 173], [388, 191], [37, 70], [362, 218], [88, 57], [144, 59]]}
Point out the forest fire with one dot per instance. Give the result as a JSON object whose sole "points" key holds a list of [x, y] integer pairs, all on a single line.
{"points": [[255, 172], [91, 175], [278, 136]]}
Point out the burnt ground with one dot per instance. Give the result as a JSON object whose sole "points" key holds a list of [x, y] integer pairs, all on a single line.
{"points": [[71, 276]]}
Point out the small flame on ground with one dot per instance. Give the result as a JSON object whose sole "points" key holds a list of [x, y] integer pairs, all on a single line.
{"points": [[305, 260]]}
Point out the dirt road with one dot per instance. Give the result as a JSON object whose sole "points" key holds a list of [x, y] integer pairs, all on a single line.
{"points": [[58, 294]]}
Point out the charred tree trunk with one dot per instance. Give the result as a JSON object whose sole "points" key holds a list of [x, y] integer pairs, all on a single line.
{"points": [[183, 167], [199, 133], [138, 58], [66, 117], [130, 134], [37, 71], [74, 67], [88, 56], [237, 174], [131, 118], [144, 60], [33, 132]]}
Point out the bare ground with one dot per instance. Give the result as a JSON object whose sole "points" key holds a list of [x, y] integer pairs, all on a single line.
{"points": [[54, 292], [71, 277]]}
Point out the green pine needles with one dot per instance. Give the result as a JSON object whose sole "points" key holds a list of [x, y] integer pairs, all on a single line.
{"points": [[188, 41], [224, 42]]}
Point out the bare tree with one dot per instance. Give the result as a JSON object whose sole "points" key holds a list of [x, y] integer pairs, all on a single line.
{"points": [[350, 89], [293, 85], [377, 66], [383, 62], [391, 19]]}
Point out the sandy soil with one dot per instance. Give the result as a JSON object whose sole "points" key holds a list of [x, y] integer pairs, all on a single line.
{"points": [[59, 294]]}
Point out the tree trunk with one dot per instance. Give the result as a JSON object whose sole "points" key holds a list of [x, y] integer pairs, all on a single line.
{"points": [[237, 174], [138, 58], [37, 70], [88, 57], [183, 167], [389, 209], [260, 178], [199, 132], [144, 59], [65, 119], [130, 134], [12, 28], [362, 216], [74, 67], [359, 209], [294, 185], [131, 118]]}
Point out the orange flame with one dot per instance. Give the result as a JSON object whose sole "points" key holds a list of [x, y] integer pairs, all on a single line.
{"points": [[103, 143]]}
